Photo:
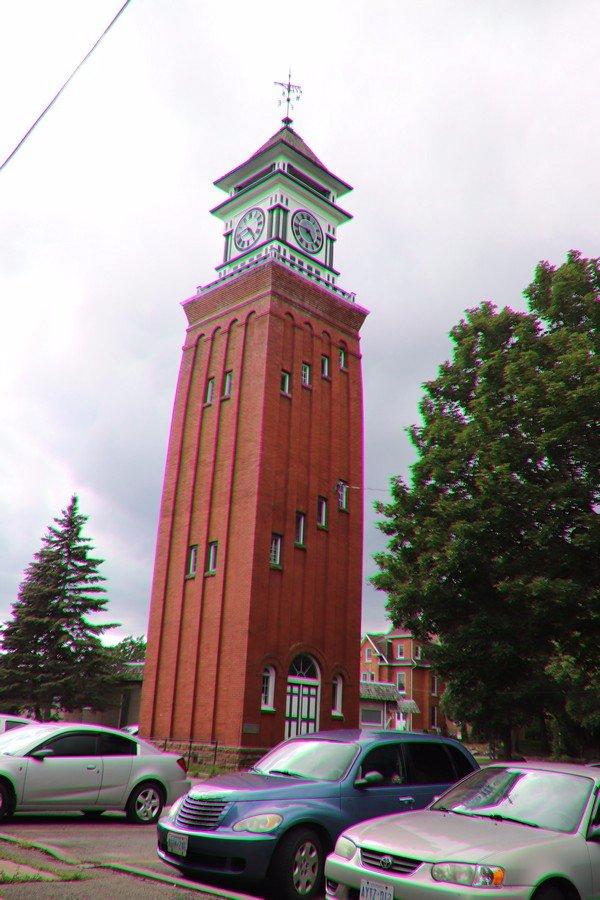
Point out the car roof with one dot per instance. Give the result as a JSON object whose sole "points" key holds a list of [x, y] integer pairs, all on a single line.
{"points": [[548, 766], [80, 726], [366, 736]]}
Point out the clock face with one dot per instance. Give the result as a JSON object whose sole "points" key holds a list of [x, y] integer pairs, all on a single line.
{"points": [[307, 231], [249, 228]]}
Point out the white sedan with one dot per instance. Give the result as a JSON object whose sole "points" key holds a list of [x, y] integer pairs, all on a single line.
{"points": [[511, 831], [59, 767]]}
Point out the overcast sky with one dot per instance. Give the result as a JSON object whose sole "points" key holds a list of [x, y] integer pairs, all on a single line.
{"points": [[468, 129]]}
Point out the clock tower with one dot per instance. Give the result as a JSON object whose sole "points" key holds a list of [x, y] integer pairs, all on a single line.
{"points": [[255, 613]]}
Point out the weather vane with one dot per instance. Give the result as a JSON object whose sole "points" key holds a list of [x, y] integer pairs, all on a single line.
{"points": [[290, 94]]}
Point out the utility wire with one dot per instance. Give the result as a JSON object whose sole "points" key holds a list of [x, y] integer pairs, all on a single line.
{"points": [[59, 92]]}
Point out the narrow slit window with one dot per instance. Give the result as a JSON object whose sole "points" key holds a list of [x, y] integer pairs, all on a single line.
{"points": [[211, 557], [285, 382], [305, 374], [228, 384], [342, 492], [275, 552], [343, 358], [192, 563], [324, 367], [210, 391], [322, 512], [300, 536]]}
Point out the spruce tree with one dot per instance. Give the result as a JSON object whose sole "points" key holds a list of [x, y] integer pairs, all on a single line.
{"points": [[52, 653]]}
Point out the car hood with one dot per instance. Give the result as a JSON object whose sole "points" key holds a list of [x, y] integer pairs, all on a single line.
{"points": [[252, 786], [432, 836]]}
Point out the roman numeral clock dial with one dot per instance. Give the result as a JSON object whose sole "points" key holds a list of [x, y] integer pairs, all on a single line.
{"points": [[307, 231], [249, 229]]}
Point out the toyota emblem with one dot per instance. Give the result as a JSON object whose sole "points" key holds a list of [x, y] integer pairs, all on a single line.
{"points": [[386, 862]]}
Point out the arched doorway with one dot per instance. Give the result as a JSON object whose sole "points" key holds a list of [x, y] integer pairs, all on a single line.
{"points": [[302, 697]]}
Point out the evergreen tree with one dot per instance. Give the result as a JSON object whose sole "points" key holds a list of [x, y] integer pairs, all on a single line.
{"points": [[53, 655], [495, 545]]}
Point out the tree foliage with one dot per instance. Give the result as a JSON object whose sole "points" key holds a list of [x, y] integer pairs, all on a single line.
{"points": [[494, 547], [52, 652]]}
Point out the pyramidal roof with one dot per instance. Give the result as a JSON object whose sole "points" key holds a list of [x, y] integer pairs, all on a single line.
{"points": [[290, 138]]}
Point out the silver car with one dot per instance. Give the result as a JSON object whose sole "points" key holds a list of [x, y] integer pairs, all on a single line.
{"points": [[510, 830], [89, 768]]}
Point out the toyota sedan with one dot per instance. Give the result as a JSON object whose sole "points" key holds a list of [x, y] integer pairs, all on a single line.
{"points": [[507, 832], [89, 768]]}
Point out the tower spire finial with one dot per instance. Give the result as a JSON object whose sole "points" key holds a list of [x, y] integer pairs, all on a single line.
{"points": [[290, 94]]}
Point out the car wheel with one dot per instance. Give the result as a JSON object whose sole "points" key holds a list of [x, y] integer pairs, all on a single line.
{"points": [[7, 803], [92, 813], [145, 804], [297, 867], [550, 892]]}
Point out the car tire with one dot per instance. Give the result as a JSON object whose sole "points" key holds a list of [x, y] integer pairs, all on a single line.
{"points": [[145, 803], [297, 867], [550, 892], [7, 801]]}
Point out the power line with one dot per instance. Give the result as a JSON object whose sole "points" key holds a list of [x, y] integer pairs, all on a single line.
{"points": [[59, 92]]}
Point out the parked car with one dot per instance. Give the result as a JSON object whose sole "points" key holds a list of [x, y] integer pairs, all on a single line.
{"points": [[510, 830], [88, 768], [278, 820], [131, 729], [8, 722]]}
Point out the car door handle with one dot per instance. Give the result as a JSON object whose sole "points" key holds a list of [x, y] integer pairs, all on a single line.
{"points": [[91, 768], [406, 799]]}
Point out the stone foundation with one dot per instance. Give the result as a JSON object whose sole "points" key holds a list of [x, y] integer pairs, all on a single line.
{"points": [[231, 759]]}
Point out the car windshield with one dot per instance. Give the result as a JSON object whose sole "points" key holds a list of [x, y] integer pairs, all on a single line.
{"points": [[318, 760], [544, 799], [19, 740]]}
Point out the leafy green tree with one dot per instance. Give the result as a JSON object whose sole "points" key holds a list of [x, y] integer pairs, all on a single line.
{"points": [[52, 653], [129, 650], [495, 545]]}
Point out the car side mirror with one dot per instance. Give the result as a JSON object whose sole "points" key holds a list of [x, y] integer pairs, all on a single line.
{"points": [[42, 754], [369, 780]]}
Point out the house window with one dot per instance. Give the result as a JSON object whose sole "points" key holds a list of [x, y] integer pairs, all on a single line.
{"points": [[368, 654], [210, 390], [336, 695], [275, 552], [401, 682], [228, 384], [268, 688], [400, 650], [418, 652], [285, 382], [434, 685], [343, 358], [192, 562], [371, 716], [434, 717], [364, 676], [322, 512], [324, 367], [342, 492], [300, 533], [305, 374], [211, 557]]}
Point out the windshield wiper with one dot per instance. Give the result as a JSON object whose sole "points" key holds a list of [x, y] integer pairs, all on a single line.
{"points": [[457, 812], [499, 818], [285, 772]]}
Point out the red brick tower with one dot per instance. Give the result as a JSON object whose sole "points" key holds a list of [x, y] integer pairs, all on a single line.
{"points": [[256, 598]]}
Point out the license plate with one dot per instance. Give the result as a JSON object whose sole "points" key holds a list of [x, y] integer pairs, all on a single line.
{"points": [[375, 890], [177, 843]]}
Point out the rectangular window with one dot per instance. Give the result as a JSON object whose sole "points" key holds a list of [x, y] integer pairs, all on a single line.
{"points": [[364, 676], [367, 654], [211, 557], [300, 534], [400, 650], [285, 382], [434, 716], [434, 685], [322, 512], [343, 358], [210, 390], [275, 552], [324, 367], [228, 384], [337, 694], [305, 374], [401, 682], [192, 563], [418, 652], [371, 716], [342, 492]]}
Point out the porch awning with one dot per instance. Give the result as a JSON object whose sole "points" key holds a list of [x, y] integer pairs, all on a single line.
{"points": [[408, 706]]}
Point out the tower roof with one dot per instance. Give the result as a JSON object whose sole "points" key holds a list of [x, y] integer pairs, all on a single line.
{"points": [[284, 138]]}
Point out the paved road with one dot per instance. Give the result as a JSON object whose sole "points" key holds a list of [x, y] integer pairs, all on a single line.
{"points": [[109, 840]]}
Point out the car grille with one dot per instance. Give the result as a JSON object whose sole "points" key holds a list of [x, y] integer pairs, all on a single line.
{"points": [[400, 865], [200, 813]]}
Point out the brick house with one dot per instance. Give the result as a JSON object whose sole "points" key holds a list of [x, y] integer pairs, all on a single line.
{"points": [[397, 658]]}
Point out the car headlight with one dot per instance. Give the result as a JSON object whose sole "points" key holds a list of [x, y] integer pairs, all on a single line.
{"points": [[468, 874], [259, 824], [345, 847], [175, 807]]}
